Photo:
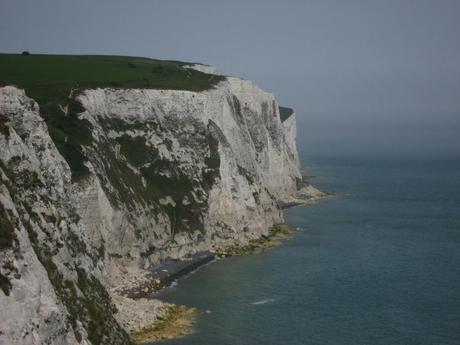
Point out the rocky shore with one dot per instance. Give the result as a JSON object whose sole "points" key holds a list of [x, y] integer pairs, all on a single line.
{"points": [[306, 195], [276, 235], [175, 323], [163, 275], [148, 319]]}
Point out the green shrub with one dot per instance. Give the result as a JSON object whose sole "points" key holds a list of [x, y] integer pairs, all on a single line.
{"points": [[285, 113], [134, 149]]}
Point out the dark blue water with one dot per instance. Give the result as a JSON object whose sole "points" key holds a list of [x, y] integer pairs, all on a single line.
{"points": [[379, 263]]}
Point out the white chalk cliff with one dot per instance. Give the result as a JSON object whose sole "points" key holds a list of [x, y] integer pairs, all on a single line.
{"points": [[172, 173]]}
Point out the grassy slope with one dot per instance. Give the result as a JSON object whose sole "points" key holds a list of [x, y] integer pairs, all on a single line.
{"points": [[89, 71], [50, 79]]}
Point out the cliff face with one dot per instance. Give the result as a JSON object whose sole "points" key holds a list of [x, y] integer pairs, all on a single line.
{"points": [[172, 173], [202, 169]]}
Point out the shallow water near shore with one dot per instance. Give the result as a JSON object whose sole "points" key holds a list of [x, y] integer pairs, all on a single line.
{"points": [[378, 263]]}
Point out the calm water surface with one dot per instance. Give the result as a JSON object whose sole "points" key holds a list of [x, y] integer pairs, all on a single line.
{"points": [[379, 263]]}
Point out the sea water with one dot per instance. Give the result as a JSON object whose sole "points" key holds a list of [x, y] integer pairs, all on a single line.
{"points": [[376, 263]]}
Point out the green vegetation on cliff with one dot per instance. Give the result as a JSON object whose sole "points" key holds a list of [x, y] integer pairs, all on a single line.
{"points": [[149, 178], [91, 71], [53, 81], [285, 113], [88, 303]]}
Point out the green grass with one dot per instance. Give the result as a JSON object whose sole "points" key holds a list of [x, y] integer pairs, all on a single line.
{"points": [[53, 81], [285, 113], [89, 71]]}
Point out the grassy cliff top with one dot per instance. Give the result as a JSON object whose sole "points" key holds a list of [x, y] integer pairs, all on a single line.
{"points": [[90, 71], [53, 81]]}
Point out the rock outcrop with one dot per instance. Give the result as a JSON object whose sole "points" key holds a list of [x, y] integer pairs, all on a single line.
{"points": [[171, 173]]}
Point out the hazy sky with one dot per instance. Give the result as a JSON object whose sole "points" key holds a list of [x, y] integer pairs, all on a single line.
{"points": [[364, 76]]}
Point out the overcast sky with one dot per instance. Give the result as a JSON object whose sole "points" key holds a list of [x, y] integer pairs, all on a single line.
{"points": [[365, 76]]}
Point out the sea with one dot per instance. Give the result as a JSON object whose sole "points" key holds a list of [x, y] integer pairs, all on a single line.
{"points": [[377, 262]]}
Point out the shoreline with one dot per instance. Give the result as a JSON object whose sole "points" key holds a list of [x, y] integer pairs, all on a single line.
{"points": [[164, 274], [157, 320]]}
